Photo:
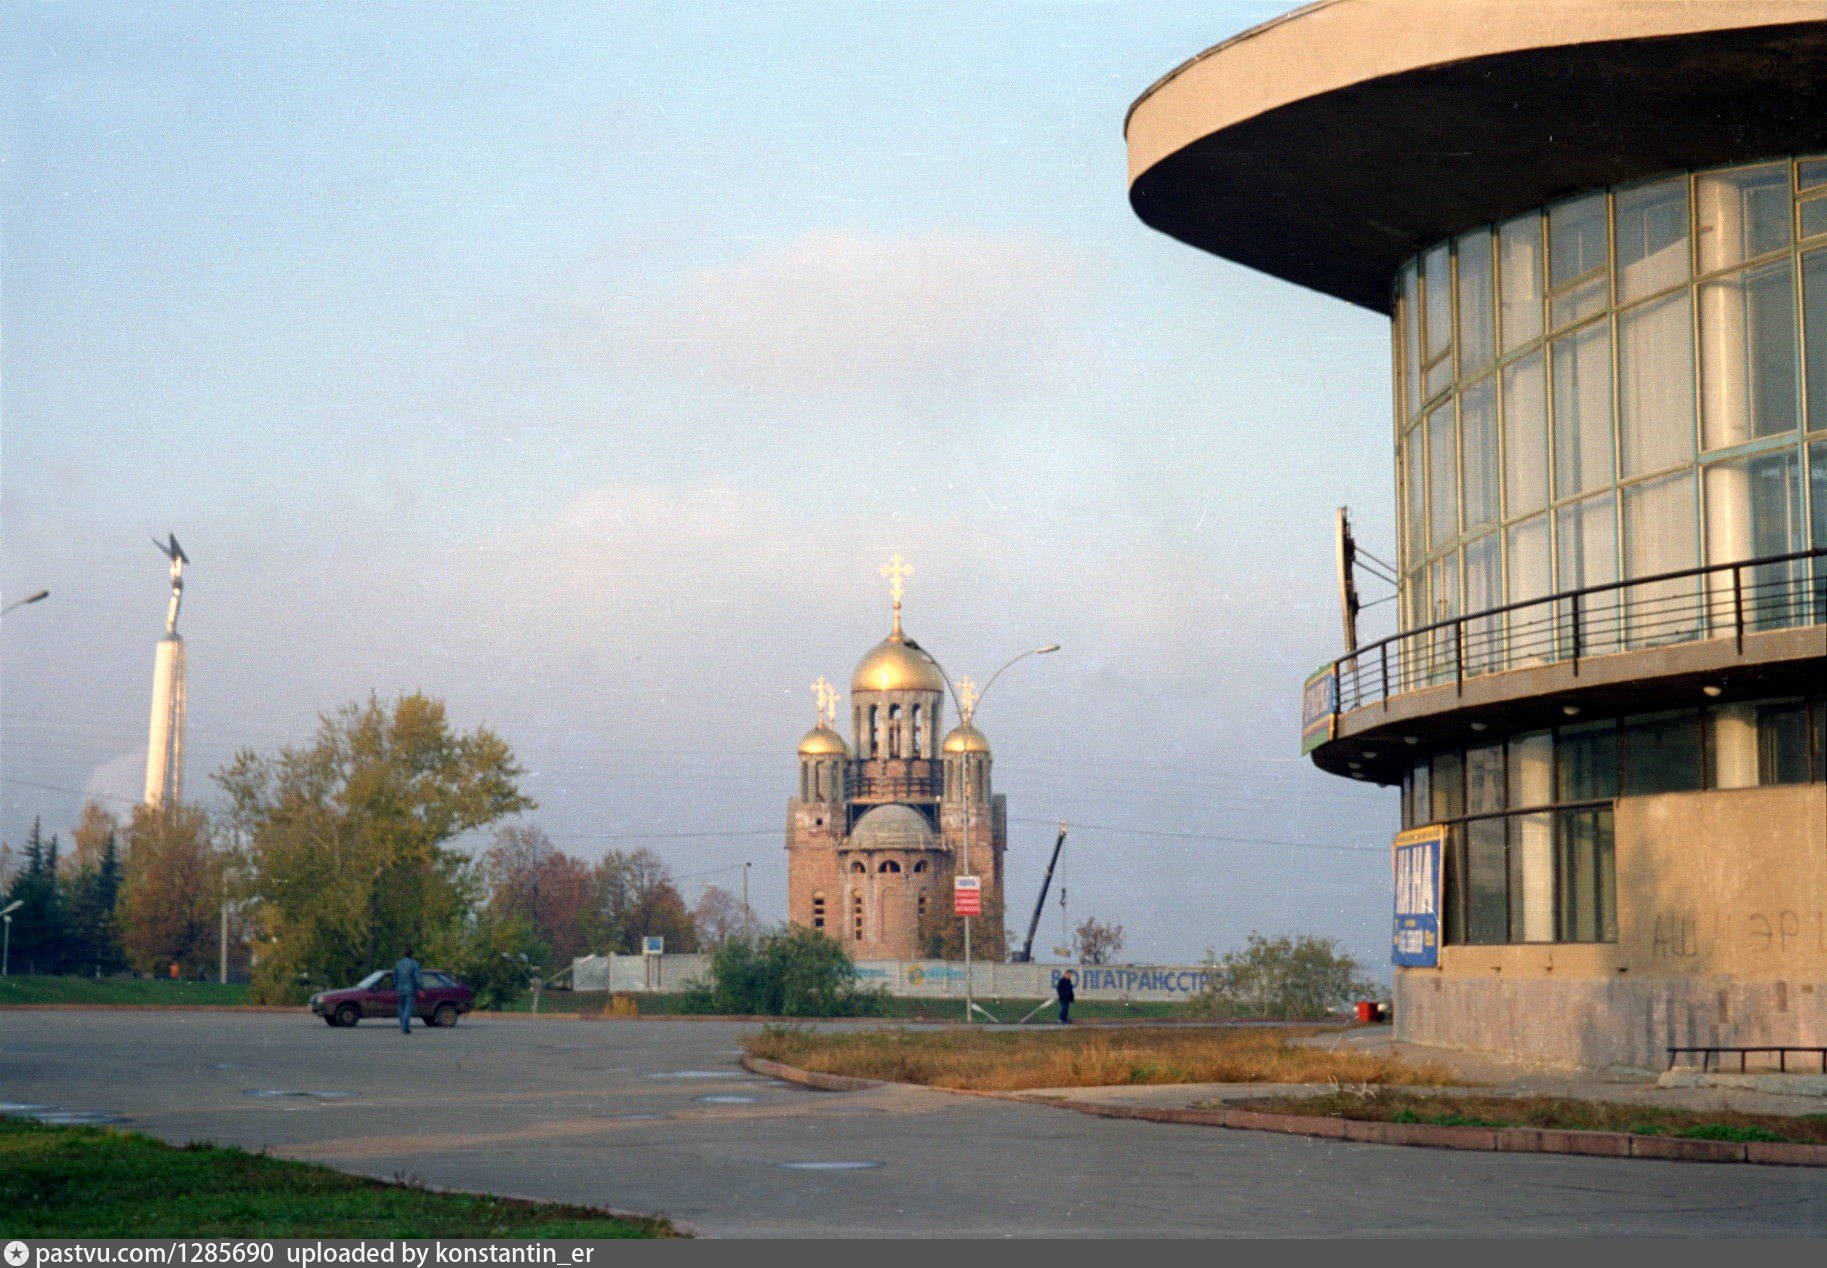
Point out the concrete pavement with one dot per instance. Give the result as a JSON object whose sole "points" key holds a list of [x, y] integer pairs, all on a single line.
{"points": [[657, 1116]]}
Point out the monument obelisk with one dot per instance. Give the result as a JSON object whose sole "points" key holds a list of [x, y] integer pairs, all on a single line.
{"points": [[165, 743]]}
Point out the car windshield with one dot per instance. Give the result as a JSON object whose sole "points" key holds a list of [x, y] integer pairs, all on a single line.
{"points": [[368, 982]]}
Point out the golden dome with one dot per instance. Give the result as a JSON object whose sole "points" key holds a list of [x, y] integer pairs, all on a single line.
{"points": [[966, 739], [822, 741], [897, 664]]}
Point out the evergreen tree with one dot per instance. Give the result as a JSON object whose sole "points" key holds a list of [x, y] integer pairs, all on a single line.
{"points": [[94, 931], [40, 933]]}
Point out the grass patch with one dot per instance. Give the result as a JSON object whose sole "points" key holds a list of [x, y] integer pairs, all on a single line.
{"points": [[94, 1182], [1383, 1105], [593, 1003], [1011, 1061], [123, 990]]}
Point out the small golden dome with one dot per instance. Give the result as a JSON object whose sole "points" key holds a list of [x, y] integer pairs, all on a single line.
{"points": [[966, 739], [897, 664], [822, 741]]}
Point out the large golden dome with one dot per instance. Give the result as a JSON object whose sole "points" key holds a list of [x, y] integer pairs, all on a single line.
{"points": [[822, 741], [897, 664], [966, 739]]}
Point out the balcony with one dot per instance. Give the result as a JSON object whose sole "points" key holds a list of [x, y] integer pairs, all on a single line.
{"points": [[1758, 626]]}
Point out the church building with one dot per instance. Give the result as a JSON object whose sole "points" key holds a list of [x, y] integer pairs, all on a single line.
{"points": [[880, 827]]}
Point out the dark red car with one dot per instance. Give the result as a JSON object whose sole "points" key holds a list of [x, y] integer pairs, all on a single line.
{"points": [[441, 1000]]}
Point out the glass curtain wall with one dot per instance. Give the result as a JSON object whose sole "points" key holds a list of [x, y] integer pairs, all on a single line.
{"points": [[1628, 383]]}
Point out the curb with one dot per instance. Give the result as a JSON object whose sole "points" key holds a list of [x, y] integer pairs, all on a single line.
{"points": [[1524, 1140]]}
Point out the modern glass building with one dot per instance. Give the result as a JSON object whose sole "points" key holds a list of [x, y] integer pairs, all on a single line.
{"points": [[1600, 233]]}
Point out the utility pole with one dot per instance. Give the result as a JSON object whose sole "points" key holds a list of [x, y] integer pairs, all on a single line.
{"points": [[748, 924]]}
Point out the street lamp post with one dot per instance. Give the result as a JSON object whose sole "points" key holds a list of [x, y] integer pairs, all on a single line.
{"points": [[6, 948], [967, 711]]}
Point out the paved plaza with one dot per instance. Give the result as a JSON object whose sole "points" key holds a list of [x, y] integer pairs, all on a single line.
{"points": [[658, 1116]]}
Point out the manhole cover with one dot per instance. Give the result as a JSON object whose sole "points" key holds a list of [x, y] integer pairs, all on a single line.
{"points": [[728, 1100], [836, 1165]]}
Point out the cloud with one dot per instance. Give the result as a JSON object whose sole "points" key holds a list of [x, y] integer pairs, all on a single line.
{"points": [[926, 323]]}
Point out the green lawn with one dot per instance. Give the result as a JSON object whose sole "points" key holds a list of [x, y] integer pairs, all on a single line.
{"points": [[94, 1182], [17, 989]]}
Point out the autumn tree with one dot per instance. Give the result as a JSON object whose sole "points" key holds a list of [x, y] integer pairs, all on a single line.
{"points": [[95, 829], [170, 898], [550, 891], [636, 898], [1095, 942], [941, 934], [1289, 976], [718, 916], [348, 850]]}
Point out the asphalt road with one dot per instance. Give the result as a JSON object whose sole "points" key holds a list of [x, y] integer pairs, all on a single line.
{"points": [[657, 1116]]}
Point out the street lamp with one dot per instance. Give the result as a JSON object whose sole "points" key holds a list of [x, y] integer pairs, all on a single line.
{"points": [[6, 949], [965, 713], [30, 598]]}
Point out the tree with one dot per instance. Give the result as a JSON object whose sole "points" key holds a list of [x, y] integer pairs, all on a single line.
{"points": [[718, 917], [93, 896], [791, 972], [40, 926], [941, 934], [552, 892], [94, 830], [171, 895], [347, 839], [636, 898], [1095, 942], [1298, 976]]}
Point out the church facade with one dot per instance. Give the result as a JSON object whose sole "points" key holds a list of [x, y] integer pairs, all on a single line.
{"points": [[880, 826]]}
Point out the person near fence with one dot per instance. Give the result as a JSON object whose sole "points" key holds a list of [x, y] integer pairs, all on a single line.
{"points": [[1066, 995]]}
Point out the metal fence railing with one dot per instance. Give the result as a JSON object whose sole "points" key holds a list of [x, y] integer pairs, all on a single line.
{"points": [[1717, 601]]}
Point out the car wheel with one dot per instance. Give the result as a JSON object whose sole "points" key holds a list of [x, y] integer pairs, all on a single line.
{"points": [[329, 1020], [348, 1015], [446, 1015]]}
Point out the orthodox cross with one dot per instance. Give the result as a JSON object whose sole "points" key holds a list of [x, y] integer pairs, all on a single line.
{"points": [[827, 702], [967, 698], [897, 570]]}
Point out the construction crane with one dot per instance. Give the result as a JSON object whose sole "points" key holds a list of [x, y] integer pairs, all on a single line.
{"points": [[1026, 954]]}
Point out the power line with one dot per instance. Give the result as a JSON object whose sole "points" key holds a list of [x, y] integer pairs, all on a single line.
{"points": [[1208, 838]]}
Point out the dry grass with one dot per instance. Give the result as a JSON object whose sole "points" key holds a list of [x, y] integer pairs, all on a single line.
{"points": [[1003, 1061], [1383, 1105]]}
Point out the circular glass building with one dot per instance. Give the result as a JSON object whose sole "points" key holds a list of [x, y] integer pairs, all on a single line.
{"points": [[1600, 233]]}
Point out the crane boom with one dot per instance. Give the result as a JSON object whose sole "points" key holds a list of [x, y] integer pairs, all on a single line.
{"points": [[1026, 955]]}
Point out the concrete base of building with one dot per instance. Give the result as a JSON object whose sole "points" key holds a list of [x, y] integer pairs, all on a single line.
{"points": [[1595, 1024]]}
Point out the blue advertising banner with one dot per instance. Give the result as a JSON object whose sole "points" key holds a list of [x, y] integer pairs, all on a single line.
{"points": [[1319, 706], [1416, 941]]}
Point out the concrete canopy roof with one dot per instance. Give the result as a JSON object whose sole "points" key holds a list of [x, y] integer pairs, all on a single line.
{"points": [[1332, 144]]}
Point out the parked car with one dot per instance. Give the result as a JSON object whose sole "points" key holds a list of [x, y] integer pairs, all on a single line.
{"points": [[440, 1001]]}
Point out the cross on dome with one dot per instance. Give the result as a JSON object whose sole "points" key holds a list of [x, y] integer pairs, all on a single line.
{"points": [[827, 698], [897, 570]]}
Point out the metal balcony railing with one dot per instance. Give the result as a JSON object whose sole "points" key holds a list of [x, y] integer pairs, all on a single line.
{"points": [[1717, 601]]}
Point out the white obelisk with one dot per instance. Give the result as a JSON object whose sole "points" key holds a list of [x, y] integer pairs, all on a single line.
{"points": [[165, 743]]}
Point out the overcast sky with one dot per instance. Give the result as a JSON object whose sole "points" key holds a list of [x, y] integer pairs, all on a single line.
{"points": [[582, 366]]}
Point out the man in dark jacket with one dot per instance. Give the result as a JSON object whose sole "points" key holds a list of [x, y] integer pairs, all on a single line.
{"points": [[1066, 996], [406, 986]]}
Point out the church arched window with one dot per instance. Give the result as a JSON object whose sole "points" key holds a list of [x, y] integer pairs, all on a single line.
{"points": [[818, 909], [890, 867], [919, 867], [918, 737], [894, 731], [856, 917], [858, 867], [875, 735]]}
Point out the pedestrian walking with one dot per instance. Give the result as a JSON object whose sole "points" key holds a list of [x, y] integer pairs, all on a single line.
{"points": [[1066, 996], [406, 986]]}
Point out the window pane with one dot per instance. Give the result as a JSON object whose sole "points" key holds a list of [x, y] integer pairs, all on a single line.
{"points": [[1519, 247], [1487, 882], [1652, 238], [1586, 543], [1662, 753], [1814, 321], [1588, 902], [1483, 591], [1484, 783], [1477, 320], [1661, 534], [1414, 481], [1586, 762], [1817, 494], [1525, 426], [1747, 355], [1437, 332], [1576, 260], [1814, 217], [1742, 214], [1754, 510], [1656, 386], [1581, 369], [1449, 785], [1782, 742], [1411, 339], [1811, 173], [1443, 477], [1532, 878], [1478, 446], [1423, 792], [1529, 631]]}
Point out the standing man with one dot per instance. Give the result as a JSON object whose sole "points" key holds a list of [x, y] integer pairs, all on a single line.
{"points": [[406, 986], [1066, 996]]}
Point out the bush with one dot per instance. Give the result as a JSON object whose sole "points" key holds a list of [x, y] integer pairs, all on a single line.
{"points": [[789, 972], [1298, 976]]}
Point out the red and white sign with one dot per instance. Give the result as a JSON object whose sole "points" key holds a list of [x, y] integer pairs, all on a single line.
{"points": [[967, 896]]}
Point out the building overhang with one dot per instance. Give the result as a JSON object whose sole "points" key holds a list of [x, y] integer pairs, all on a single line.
{"points": [[1332, 144]]}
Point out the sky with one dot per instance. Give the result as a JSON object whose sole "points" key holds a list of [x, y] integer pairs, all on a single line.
{"points": [[581, 366]]}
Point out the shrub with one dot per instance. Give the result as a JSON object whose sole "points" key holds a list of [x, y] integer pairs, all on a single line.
{"points": [[1298, 976], [789, 972]]}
